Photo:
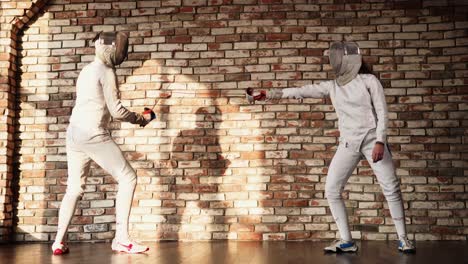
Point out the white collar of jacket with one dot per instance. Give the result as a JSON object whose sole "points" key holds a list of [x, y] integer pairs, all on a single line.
{"points": [[100, 61]]}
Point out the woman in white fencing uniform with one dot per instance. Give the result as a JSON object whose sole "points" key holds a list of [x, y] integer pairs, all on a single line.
{"points": [[88, 139], [360, 105]]}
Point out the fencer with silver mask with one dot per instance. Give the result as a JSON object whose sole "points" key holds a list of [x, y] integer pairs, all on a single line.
{"points": [[88, 138], [359, 102]]}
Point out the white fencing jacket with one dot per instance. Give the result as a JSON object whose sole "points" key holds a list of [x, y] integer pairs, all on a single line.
{"points": [[97, 99], [360, 106]]}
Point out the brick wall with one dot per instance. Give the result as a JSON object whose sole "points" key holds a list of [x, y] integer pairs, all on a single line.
{"points": [[214, 167]]}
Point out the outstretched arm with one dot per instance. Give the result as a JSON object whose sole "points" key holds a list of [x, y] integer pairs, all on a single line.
{"points": [[114, 105], [319, 90]]}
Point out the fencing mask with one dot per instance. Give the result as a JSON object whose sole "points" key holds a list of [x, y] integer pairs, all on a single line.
{"points": [[111, 47], [346, 60]]}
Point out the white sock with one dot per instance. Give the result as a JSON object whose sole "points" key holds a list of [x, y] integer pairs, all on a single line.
{"points": [[398, 216], [123, 206], [67, 208], [338, 210]]}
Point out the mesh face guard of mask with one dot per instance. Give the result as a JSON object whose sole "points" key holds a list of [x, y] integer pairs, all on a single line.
{"points": [[338, 51], [116, 44]]}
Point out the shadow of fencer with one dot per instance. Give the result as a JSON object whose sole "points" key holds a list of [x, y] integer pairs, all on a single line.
{"points": [[198, 166]]}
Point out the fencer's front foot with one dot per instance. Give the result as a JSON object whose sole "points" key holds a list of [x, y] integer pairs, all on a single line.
{"points": [[406, 246], [128, 247], [60, 249], [341, 246]]}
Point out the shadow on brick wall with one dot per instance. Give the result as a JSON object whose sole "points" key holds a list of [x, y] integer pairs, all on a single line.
{"points": [[38, 161], [196, 157]]}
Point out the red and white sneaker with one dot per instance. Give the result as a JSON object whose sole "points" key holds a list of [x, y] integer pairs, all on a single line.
{"points": [[60, 248], [129, 247]]}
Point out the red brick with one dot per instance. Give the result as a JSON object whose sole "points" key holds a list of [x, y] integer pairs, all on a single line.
{"points": [[277, 36], [298, 235], [253, 155], [90, 21], [249, 236]]}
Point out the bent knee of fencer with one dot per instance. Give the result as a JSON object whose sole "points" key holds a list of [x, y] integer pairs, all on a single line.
{"points": [[127, 176], [332, 192], [391, 187], [333, 189], [75, 191], [392, 194]]}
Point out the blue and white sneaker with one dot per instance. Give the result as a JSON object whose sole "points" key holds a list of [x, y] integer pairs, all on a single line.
{"points": [[341, 246], [406, 246]]}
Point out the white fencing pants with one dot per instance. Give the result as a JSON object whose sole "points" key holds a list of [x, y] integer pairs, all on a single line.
{"points": [[342, 166], [109, 157]]}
